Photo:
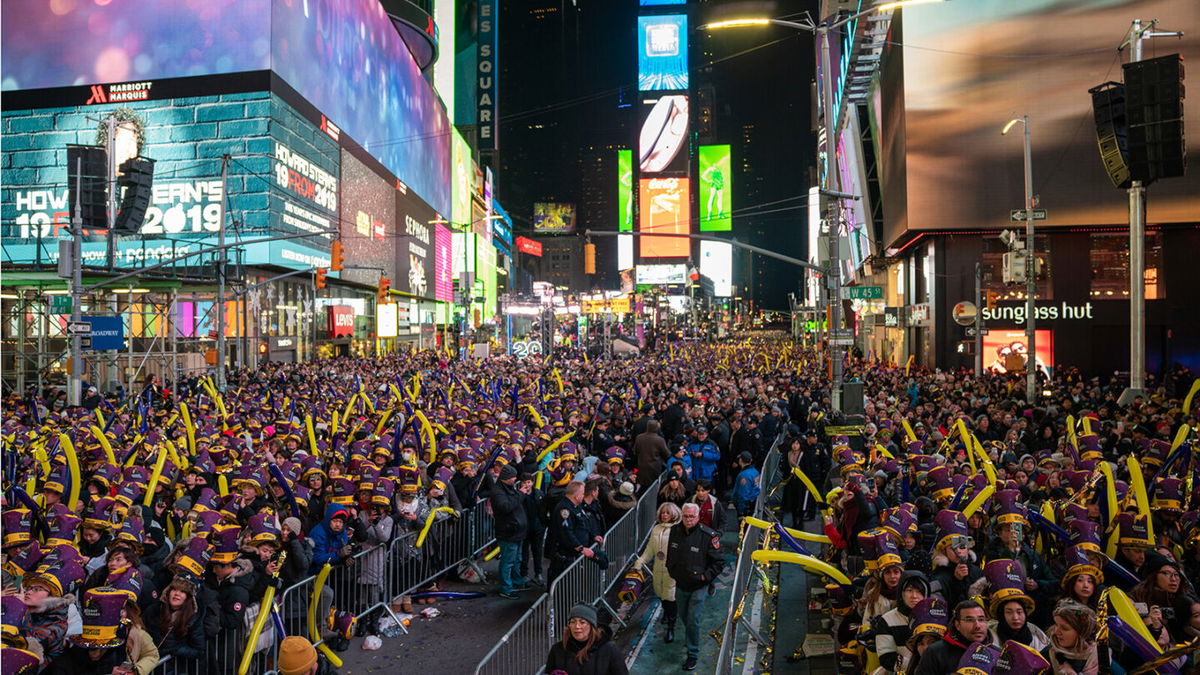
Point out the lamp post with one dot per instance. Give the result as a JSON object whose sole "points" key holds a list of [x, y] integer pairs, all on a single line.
{"points": [[822, 33], [1030, 264]]}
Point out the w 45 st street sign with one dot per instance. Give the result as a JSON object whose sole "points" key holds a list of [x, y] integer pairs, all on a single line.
{"points": [[862, 292]]}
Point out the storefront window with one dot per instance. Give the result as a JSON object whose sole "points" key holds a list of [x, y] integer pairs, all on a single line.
{"points": [[1110, 266], [992, 263]]}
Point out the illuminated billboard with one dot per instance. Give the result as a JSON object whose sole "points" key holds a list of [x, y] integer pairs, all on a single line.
{"points": [[716, 189], [998, 344], [460, 212], [659, 275], [653, 3], [662, 53], [368, 216], [624, 251], [415, 247], [665, 209], [662, 141], [386, 319], [945, 164], [343, 58], [716, 263], [553, 218], [625, 191], [443, 266]]}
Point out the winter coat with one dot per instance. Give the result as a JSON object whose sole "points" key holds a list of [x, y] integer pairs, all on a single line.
{"points": [[705, 465], [143, 653], [652, 455], [945, 584], [655, 556], [47, 624], [327, 544], [378, 535], [232, 594], [615, 505], [694, 557], [508, 509], [605, 658], [942, 657], [188, 646], [717, 511], [891, 640], [1037, 637], [295, 565]]}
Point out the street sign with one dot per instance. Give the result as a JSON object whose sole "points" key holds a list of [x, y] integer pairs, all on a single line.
{"points": [[85, 342], [60, 304], [79, 328], [842, 332], [843, 342], [971, 331], [863, 292], [1019, 215]]}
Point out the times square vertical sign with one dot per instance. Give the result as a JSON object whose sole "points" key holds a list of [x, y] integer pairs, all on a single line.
{"points": [[489, 125]]}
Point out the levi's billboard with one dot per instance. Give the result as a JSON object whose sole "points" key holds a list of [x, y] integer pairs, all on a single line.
{"points": [[341, 321]]}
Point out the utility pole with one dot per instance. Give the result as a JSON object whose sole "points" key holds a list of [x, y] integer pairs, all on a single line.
{"points": [[75, 376], [110, 124], [834, 220], [1137, 241], [978, 319], [221, 277], [1030, 275]]}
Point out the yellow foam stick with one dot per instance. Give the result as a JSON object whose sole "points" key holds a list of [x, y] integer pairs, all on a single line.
{"points": [[1138, 485], [399, 398], [449, 394], [158, 469], [1110, 493], [1187, 402], [264, 612], [908, 364], [1048, 514], [536, 417], [978, 501], [808, 562], [383, 419], [100, 418], [557, 442], [427, 431], [222, 485], [346, 411], [908, 430], [558, 378], [988, 467], [1071, 435], [1180, 437], [1087, 426], [180, 460], [315, 599], [416, 385], [585, 357], [429, 523], [133, 455], [883, 451], [1125, 609], [312, 435], [490, 555], [189, 427], [103, 441], [812, 489], [798, 534], [73, 465]]}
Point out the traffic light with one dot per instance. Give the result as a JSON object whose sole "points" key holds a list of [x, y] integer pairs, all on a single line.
{"points": [[991, 298], [320, 282], [589, 258], [385, 285], [90, 184], [137, 176], [336, 262]]}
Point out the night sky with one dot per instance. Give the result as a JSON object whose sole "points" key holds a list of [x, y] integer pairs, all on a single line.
{"points": [[567, 71]]}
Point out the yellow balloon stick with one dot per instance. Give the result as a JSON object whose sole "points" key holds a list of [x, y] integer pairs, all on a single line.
{"points": [[158, 469], [1110, 493], [978, 500], [189, 427], [312, 435], [798, 534], [1129, 614], [73, 465], [429, 523], [557, 442], [1187, 402], [1138, 485], [103, 441], [313, 601], [809, 563], [812, 489]]}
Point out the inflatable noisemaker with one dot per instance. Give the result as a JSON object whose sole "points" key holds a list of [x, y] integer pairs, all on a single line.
{"points": [[631, 586]]}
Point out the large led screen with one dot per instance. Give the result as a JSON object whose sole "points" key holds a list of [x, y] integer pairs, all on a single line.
{"points": [[553, 218], [658, 275], [998, 344], [662, 141], [416, 247], [665, 209], [625, 191], [662, 52], [368, 222], [947, 157], [716, 263], [460, 211], [716, 189], [443, 266]]}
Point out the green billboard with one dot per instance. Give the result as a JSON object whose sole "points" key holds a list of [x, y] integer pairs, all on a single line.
{"points": [[716, 189], [625, 190], [461, 180]]}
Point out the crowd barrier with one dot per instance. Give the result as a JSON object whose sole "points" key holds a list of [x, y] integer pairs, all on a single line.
{"points": [[523, 649], [738, 628], [366, 587]]}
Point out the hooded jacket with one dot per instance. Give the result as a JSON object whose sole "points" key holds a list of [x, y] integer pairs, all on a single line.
{"points": [[604, 658], [47, 623], [188, 646], [892, 629], [233, 593], [327, 544]]}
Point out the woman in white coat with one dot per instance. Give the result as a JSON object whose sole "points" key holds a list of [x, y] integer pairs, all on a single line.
{"points": [[655, 555]]}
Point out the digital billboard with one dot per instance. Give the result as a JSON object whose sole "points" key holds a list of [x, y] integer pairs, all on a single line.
{"points": [[662, 53], [654, 3], [998, 344], [292, 188], [943, 111], [443, 266], [460, 212], [343, 57], [665, 209], [368, 222], [716, 189], [553, 218], [416, 247], [662, 141], [716, 263], [625, 190], [657, 275], [624, 251]]}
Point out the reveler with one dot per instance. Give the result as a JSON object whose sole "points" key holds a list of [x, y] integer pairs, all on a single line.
{"points": [[694, 561]]}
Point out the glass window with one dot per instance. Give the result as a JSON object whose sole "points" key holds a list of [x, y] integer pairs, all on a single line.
{"points": [[992, 264], [1110, 266]]}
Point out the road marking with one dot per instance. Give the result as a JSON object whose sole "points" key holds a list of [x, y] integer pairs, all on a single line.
{"points": [[649, 629]]}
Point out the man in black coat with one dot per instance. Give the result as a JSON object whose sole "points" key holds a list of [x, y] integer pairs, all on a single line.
{"points": [[568, 537], [693, 561], [967, 626], [508, 508]]}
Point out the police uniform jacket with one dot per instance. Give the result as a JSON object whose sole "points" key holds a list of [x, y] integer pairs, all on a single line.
{"points": [[568, 530], [694, 558]]}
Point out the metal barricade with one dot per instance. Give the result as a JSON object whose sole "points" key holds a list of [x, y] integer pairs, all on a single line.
{"points": [[524, 647]]}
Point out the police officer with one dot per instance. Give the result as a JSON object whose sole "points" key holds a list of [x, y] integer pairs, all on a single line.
{"points": [[569, 536], [693, 561]]}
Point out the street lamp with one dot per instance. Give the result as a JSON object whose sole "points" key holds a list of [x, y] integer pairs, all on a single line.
{"points": [[1030, 263], [821, 31]]}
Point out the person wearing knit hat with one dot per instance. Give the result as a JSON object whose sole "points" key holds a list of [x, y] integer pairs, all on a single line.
{"points": [[585, 646], [297, 656], [892, 631]]}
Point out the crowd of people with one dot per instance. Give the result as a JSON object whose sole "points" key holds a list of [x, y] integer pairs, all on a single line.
{"points": [[148, 526]]}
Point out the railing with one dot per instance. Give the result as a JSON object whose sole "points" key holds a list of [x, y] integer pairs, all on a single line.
{"points": [[523, 649], [744, 579], [366, 586]]}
